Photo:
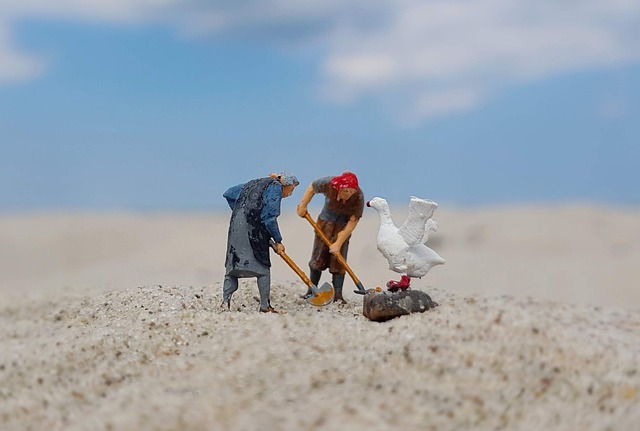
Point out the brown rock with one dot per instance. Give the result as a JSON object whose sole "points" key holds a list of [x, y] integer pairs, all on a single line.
{"points": [[383, 306]]}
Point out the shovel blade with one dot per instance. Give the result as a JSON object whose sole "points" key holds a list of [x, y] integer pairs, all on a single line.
{"points": [[322, 295]]}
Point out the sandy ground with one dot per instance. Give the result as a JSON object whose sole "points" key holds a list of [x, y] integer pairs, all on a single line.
{"points": [[111, 321]]}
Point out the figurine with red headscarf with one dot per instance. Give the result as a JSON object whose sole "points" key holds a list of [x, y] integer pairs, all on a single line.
{"points": [[342, 210]]}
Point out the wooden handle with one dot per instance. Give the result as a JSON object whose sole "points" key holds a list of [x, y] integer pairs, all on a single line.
{"points": [[293, 266], [338, 256]]}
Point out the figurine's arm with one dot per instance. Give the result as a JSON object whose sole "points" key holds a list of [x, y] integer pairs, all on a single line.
{"points": [[301, 210], [343, 235], [271, 211], [232, 194]]}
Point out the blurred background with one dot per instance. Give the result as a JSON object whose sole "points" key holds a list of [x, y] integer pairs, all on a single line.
{"points": [[112, 113]]}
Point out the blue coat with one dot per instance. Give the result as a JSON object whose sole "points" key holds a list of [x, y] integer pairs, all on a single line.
{"points": [[255, 208]]}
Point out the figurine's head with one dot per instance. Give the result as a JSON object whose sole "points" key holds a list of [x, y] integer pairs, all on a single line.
{"points": [[287, 190], [345, 193], [288, 181], [346, 185]]}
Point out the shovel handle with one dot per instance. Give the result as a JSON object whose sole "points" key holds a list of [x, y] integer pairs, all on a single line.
{"points": [[338, 255], [292, 265]]}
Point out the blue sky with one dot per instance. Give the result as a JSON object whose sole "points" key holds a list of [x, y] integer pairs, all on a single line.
{"points": [[163, 104]]}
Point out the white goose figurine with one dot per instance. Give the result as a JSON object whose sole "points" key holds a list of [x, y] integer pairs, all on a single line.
{"points": [[405, 247]]}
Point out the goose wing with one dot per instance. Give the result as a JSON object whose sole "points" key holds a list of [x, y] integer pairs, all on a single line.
{"points": [[431, 225], [413, 229]]}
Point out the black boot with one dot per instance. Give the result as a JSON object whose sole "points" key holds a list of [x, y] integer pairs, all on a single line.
{"points": [[338, 281]]}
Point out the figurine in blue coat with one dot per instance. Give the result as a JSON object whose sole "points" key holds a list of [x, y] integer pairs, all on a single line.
{"points": [[255, 208]]}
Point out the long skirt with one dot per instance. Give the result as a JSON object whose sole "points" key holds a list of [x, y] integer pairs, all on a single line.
{"points": [[241, 261]]}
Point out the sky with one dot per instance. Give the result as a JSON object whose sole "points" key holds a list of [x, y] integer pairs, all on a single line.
{"points": [[164, 104]]}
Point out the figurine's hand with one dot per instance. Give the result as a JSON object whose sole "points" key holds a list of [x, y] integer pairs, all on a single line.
{"points": [[335, 248], [279, 247], [301, 210]]}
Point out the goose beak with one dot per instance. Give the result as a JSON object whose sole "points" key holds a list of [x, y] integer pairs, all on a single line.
{"points": [[368, 203]]}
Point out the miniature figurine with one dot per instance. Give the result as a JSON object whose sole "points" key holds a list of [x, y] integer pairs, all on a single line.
{"points": [[342, 210], [405, 248], [255, 208]]}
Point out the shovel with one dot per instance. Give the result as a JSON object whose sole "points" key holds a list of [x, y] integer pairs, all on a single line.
{"points": [[322, 295], [361, 290]]}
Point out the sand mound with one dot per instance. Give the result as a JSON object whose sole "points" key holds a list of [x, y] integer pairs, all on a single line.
{"points": [[167, 358]]}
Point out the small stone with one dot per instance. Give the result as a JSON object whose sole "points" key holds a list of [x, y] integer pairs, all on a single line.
{"points": [[384, 306]]}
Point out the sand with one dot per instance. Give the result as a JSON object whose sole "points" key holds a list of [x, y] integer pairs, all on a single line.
{"points": [[112, 321]]}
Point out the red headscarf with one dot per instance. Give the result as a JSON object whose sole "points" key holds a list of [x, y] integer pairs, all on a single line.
{"points": [[346, 180]]}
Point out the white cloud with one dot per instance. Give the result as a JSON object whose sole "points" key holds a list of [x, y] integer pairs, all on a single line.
{"points": [[116, 11], [431, 57], [448, 56], [360, 72], [16, 66]]}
